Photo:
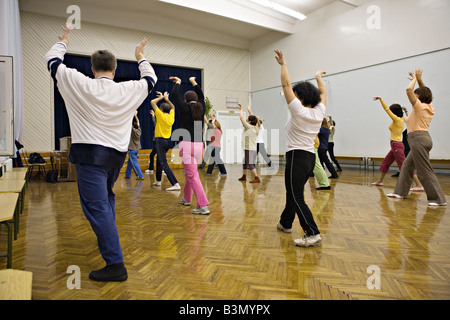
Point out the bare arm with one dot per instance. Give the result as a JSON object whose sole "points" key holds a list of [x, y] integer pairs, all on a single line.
{"points": [[386, 108], [249, 109], [419, 73], [154, 102], [137, 119], [285, 77], [166, 98], [66, 36], [322, 86], [410, 90], [241, 115]]}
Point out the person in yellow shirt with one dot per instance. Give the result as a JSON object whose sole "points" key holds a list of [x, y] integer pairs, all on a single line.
{"points": [[165, 118], [397, 152]]}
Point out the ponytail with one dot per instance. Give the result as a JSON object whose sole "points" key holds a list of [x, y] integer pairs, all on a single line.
{"points": [[197, 110]]}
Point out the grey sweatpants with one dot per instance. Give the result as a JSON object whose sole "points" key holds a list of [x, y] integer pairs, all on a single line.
{"points": [[419, 160]]}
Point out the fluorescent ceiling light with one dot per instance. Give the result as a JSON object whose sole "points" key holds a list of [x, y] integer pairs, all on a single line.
{"points": [[282, 9]]}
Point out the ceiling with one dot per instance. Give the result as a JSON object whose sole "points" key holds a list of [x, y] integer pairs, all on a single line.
{"points": [[229, 22]]}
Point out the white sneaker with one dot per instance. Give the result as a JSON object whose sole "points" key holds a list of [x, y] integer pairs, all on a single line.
{"points": [[157, 183], [184, 202], [394, 195], [435, 204], [148, 171], [309, 241], [203, 210], [174, 187], [280, 227]]}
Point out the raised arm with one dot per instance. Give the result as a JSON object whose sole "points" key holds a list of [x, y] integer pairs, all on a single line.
{"points": [[176, 95], [386, 108], [198, 91], [55, 56], [166, 98], [241, 115], [146, 69], [154, 102], [419, 73], [322, 87], [410, 90], [285, 77], [249, 109], [137, 119]]}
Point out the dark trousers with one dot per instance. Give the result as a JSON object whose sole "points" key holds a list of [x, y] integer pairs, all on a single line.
{"points": [[324, 160], [332, 156], [162, 146], [215, 159], [95, 186], [152, 158], [299, 166]]}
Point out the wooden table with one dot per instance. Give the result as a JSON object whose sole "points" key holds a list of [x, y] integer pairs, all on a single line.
{"points": [[14, 175], [14, 186], [8, 215], [15, 284]]}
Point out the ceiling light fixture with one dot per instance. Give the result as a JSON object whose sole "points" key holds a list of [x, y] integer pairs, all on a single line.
{"points": [[282, 9]]}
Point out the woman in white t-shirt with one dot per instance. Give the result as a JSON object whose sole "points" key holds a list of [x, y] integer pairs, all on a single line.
{"points": [[306, 105]]}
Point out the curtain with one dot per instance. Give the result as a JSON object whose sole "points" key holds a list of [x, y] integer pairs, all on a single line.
{"points": [[126, 70], [11, 45]]}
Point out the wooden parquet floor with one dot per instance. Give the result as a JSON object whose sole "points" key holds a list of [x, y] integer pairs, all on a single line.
{"points": [[236, 252]]}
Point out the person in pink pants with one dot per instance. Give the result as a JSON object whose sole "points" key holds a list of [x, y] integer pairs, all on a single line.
{"points": [[190, 133]]}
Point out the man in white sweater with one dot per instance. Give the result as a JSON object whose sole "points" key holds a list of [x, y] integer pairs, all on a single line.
{"points": [[100, 115]]}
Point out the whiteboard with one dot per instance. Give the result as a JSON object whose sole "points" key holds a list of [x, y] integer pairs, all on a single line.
{"points": [[6, 107], [361, 123]]}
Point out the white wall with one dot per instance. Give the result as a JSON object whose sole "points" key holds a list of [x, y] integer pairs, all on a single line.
{"points": [[226, 70], [336, 39]]}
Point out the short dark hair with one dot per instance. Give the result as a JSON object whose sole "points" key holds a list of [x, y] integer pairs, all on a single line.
{"points": [[425, 95], [165, 107], [253, 120], [308, 93], [397, 110], [103, 61]]}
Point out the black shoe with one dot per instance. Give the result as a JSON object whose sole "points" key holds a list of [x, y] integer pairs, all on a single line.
{"points": [[324, 188], [331, 177], [114, 272], [396, 175]]}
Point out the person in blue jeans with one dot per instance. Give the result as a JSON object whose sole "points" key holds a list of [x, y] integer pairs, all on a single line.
{"points": [[133, 150]]}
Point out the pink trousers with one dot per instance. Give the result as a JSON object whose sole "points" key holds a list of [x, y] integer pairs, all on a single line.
{"points": [[191, 155], [397, 153]]}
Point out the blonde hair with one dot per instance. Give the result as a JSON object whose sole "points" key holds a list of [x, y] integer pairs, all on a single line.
{"points": [[217, 124]]}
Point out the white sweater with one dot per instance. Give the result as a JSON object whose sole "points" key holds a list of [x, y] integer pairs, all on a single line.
{"points": [[100, 110]]}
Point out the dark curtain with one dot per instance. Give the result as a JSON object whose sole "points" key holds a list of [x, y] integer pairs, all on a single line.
{"points": [[126, 71]]}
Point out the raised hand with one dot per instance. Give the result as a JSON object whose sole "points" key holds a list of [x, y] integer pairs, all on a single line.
{"points": [[66, 36], [175, 79], [320, 73], [280, 57], [139, 53]]}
